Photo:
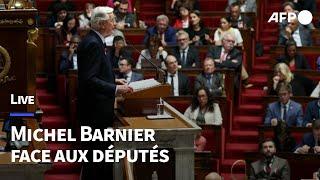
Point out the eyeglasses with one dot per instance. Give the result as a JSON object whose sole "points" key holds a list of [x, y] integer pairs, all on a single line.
{"points": [[121, 64], [230, 40]]}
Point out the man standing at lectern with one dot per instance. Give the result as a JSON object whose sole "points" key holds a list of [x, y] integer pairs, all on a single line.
{"points": [[97, 88]]}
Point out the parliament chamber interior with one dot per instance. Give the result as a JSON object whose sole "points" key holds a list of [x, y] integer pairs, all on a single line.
{"points": [[242, 92]]}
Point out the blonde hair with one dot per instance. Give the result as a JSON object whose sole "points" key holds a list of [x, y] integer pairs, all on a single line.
{"points": [[285, 71]]}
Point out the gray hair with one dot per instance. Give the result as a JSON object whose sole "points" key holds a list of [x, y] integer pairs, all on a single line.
{"points": [[182, 32], [100, 13], [162, 17], [226, 35]]}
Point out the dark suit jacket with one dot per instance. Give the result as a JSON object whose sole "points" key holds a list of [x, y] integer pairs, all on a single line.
{"points": [[247, 23], [184, 85], [170, 35], [300, 61], [301, 86], [294, 114], [216, 85], [312, 112], [280, 169], [308, 139], [305, 37], [65, 63], [96, 93], [191, 57], [134, 77], [234, 54]]}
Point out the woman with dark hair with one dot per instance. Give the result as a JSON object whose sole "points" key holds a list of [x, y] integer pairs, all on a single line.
{"points": [[198, 33], [203, 109], [154, 52], [183, 21], [68, 29], [118, 51], [225, 27], [190, 4], [292, 58]]}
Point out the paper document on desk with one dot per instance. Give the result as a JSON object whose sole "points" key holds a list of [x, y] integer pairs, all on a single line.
{"points": [[143, 84]]}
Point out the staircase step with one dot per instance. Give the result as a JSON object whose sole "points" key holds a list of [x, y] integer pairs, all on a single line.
{"points": [[51, 109], [262, 68], [248, 136], [54, 122], [259, 80], [238, 150], [68, 176], [269, 40], [247, 122], [226, 165], [252, 96], [263, 59], [41, 83], [245, 109], [45, 98]]}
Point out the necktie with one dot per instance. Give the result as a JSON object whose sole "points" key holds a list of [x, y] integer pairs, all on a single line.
{"points": [[172, 84], [208, 77], [183, 57], [126, 78], [223, 56], [268, 168], [284, 113]]}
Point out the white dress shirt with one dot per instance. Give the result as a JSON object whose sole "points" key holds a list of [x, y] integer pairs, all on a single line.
{"points": [[296, 37], [175, 82]]}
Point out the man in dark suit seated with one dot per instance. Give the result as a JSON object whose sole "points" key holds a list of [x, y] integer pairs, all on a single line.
{"points": [[126, 73], [227, 56], [97, 89], [312, 112], [297, 32], [285, 109], [165, 33], [178, 81], [209, 78], [310, 141], [187, 56], [237, 19], [68, 59], [271, 166]]}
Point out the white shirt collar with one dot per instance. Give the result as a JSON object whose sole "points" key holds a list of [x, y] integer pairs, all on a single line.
{"points": [[185, 50]]}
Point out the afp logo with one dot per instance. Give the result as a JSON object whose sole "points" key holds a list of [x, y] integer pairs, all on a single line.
{"points": [[304, 17]]}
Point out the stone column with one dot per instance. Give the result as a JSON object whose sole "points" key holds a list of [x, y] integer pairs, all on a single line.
{"points": [[184, 163]]}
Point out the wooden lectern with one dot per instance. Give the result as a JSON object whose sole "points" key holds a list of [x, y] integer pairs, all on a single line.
{"points": [[177, 133], [17, 57]]}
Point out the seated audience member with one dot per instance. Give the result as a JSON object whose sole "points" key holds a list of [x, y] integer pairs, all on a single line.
{"points": [[58, 16], [285, 109], [225, 27], [125, 71], [187, 56], [297, 32], [84, 19], [190, 4], [116, 3], [289, 7], [118, 51], [163, 31], [209, 78], [183, 21], [292, 58], [310, 141], [309, 5], [238, 20], [245, 5], [124, 19], [301, 86], [66, 3], [178, 81], [312, 112], [213, 176], [203, 109], [271, 166], [115, 32], [198, 33], [229, 57], [154, 51], [200, 142], [69, 29], [68, 59]]}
